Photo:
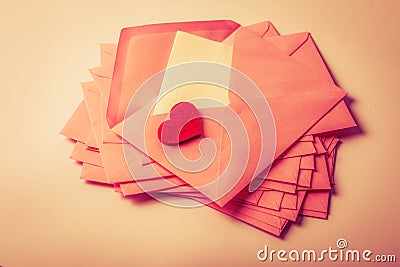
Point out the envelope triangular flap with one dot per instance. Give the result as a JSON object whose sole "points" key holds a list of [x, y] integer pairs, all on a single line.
{"points": [[263, 28], [109, 48], [289, 43], [298, 97], [78, 125]]}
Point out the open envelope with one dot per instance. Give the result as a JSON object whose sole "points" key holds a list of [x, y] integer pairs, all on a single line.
{"points": [[127, 175], [303, 49], [157, 39], [299, 180], [266, 28], [299, 91], [154, 39], [112, 148], [113, 154]]}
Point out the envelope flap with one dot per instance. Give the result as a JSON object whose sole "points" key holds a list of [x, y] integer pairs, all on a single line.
{"points": [[317, 201], [289, 43], [261, 28], [214, 30], [271, 31], [291, 89], [109, 49], [78, 126], [107, 56]]}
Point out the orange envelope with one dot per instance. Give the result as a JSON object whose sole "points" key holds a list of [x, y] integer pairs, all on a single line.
{"points": [[270, 199], [279, 87], [257, 217], [285, 170], [302, 47], [78, 125], [80, 153], [288, 214], [159, 39], [315, 203], [300, 148], [299, 91], [113, 154], [126, 175], [92, 99], [245, 197], [112, 149], [307, 162], [93, 173], [263, 221], [305, 177], [289, 201], [320, 178], [264, 29], [315, 214]]}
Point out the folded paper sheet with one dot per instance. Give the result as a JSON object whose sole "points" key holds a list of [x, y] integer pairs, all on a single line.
{"points": [[307, 108]]}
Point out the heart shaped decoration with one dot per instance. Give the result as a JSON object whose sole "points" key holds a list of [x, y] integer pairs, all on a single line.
{"points": [[184, 124]]}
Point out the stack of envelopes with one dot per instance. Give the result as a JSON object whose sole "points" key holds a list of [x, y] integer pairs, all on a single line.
{"points": [[307, 107]]}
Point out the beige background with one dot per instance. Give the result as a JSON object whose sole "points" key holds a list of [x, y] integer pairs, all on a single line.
{"points": [[48, 217]]}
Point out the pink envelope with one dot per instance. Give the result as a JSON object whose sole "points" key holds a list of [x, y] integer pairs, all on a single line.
{"points": [[91, 171], [123, 175], [268, 24], [112, 154], [314, 214], [297, 50], [307, 162], [158, 42], [301, 148], [305, 177], [317, 201], [319, 147], [285, 170], [320, 177], [263, 221], [302, 47], [289, 201], [78, 125], [316, 204], [271, 199], [299, 91], [288, 214], [81, 154]]}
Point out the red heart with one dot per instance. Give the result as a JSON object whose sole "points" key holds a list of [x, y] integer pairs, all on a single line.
{"points": [[184, 124]]}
